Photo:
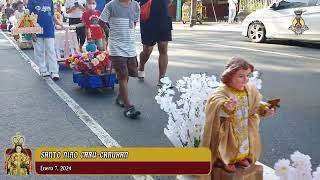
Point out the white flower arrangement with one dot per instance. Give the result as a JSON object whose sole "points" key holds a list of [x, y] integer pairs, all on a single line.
{"points": [[186, 116], [299, 169]]}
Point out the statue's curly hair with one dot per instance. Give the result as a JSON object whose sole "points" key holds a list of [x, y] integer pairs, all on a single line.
{"points": [[235, 64]]}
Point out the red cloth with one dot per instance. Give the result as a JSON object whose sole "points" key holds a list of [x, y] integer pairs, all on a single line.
{"points": [[91, 20]]}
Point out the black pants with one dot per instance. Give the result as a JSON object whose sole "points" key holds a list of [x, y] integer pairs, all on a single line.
{"points": [[81, 31]]}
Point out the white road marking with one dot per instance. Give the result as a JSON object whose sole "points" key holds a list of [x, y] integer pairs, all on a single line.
{"points": [[93, 125], [255, 50]]}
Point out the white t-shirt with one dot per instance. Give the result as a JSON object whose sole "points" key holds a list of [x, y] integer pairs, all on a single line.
{"points": [[78, 12], [232, 4]]}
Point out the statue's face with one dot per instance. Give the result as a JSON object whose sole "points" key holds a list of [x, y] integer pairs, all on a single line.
{"points": [[18, 149], [240, 79]]}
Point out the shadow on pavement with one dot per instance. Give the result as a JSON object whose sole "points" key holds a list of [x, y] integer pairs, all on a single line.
{"points": [[313, 45]]}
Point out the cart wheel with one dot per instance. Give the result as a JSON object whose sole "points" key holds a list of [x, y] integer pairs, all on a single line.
{"points": [[183, 22]]}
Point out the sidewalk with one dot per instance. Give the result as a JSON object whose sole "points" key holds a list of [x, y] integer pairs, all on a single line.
{"points": [[208, 26]]}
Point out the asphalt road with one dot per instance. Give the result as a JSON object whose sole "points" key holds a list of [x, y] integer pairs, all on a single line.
{"points": [[290, 70]]}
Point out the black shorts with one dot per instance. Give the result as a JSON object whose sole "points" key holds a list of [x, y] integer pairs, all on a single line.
{"points": [[81, 31], [150, 37]]}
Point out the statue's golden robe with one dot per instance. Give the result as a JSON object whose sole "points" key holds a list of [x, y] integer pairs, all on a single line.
{"points": [[219, 136], [18, 164]]}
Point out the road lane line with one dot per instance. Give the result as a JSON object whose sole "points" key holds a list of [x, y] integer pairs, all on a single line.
{"points": [[93, 125], [255, 50]]}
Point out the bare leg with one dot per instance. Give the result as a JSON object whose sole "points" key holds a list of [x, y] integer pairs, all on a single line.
{"points": [[123, 92], [80, 46], [163, 58], [144, 56]]}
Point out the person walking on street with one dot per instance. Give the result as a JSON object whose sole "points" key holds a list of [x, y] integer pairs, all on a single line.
{"points": [[233, 4], [122, 16], [156, 30], [90, 19], [43, 44], [75, 9]]}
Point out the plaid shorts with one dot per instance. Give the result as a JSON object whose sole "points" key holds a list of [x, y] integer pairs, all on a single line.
{"points": [[125, 66]]}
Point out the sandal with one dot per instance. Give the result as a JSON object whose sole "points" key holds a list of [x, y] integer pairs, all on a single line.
{"points": [[131, 113], [119, 102]]}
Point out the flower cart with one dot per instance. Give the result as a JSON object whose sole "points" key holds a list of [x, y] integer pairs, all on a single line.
{"points": [[92, 70]]}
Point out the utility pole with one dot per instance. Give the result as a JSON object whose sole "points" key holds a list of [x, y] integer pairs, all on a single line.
{"points": [[193, 17]]}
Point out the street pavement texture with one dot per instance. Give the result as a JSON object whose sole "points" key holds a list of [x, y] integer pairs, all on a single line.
{"points": [[290, 70]]}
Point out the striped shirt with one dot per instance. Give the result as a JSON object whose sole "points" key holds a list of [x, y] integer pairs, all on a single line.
{"points": [[121, 20]]}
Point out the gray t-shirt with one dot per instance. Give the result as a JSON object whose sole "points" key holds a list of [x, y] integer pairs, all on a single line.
{"points": [[122, 21]]}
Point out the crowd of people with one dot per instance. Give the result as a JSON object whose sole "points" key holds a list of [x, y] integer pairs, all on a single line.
{"points": [[107, 24], [233, 112]]}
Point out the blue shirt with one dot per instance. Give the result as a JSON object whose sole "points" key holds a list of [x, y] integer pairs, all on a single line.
{"points": [[100, 5], [44, 10]]}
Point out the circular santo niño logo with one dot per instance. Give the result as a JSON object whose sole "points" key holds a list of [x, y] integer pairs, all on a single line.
{"points": [[298, 25]]}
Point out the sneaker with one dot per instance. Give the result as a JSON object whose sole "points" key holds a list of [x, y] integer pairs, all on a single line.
{"points": [[141, 74], [44, 74], [132, 113], [55, 76]]}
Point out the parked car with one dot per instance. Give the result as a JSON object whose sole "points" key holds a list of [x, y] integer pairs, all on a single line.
{"points": [[286, 19]]}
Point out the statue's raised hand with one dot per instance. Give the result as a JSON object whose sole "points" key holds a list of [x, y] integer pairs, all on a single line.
{"points": [[230, 104]]}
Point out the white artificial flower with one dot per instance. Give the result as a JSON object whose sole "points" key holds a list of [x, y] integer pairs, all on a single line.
{"points": [[180, 102], [282, 167], [255, 80], [95, 61], [255, 74], [316, 174], [301, 160]]}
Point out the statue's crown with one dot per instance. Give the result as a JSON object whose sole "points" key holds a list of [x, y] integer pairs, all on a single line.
{"points": [[18, 139]]}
